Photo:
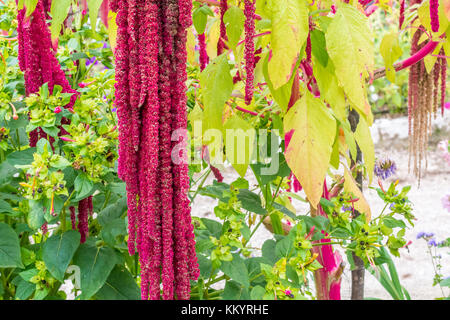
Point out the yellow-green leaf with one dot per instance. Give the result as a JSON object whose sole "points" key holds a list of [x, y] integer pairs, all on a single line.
{"points": [[30, 5], [391, 51], [351, 186], [350, 47], [365, 143], [112, 29], [308, 154], [290, 27], [94, 6], [217, 85], [59, 11], [234, 20], [239, 143], [330, 89]]}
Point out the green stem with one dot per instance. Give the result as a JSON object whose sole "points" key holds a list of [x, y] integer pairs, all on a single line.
{"points": [[200, 186], [211, 282]]}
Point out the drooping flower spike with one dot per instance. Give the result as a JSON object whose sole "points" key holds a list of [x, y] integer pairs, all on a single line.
{"points": [[249, 51], [151, 107]]}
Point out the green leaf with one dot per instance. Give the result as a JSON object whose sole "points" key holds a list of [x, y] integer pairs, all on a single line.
{"points": [[234, 20], [251, 201], [58, 251], [268, 251], [363, 137], [94, 6], [112, 211], [290, 28], [236, 270], [35, 218], [23, 157], [30, 5], [24, 289], [313, 132], [390, 51], [120, 285], [330, 90], [95, 266], [284, 247], [239, 141], [200, 18], [5, 207], [9, 248], [233, 291], [83, 186], [318, 47], [217, 85], [350, 47], [445, 282], [112, 230], [257, 293], [59, 11]]}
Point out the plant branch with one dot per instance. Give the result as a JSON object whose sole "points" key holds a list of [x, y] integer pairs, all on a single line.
{"points": [[418, 56]]}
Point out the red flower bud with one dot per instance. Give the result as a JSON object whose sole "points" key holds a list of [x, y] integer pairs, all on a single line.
{"points": [[58, 109]]}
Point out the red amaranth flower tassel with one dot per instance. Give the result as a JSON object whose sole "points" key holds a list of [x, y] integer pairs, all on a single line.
{"points": [[443, 80], [216, 173], [83, 217], [308, 48], [223, 30], [37, 59], [402, 14], [204, 59], [249, 53], [434, 15], [151, 99]]}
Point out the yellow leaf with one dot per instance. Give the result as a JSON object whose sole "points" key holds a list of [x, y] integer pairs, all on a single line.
{"points": [[112, 29], [351, 186], [290, 27], [308, 154], [349, 42]]}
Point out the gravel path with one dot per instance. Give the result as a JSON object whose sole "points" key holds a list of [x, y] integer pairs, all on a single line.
{"points": [[414, 266]]}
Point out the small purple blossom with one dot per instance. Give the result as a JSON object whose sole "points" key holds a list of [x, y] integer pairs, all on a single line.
{"points": [[429, 235], [114, 109], [420, 235], [346, 208], [92, 60], [385, 168], [432, 243]]}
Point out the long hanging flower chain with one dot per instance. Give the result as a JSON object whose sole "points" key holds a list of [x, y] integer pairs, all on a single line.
{"points": [[151, 101]]}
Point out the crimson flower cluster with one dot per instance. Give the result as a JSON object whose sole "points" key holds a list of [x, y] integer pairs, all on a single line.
{"points": [[249, 53], [37, 59], [151, 104], [434, 15]]}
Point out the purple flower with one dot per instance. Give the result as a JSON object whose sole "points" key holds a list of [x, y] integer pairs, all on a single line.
{"points": [[446, 202], [346, 208], [92, 60], [429, 235], [420, 235], [385, 168], [432, 243]]}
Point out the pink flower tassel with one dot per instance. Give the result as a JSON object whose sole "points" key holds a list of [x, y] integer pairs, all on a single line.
{"points": [[434, 15], [249, 53]]}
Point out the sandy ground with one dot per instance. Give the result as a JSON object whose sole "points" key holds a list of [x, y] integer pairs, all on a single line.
{"points": [[414, 266]]}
